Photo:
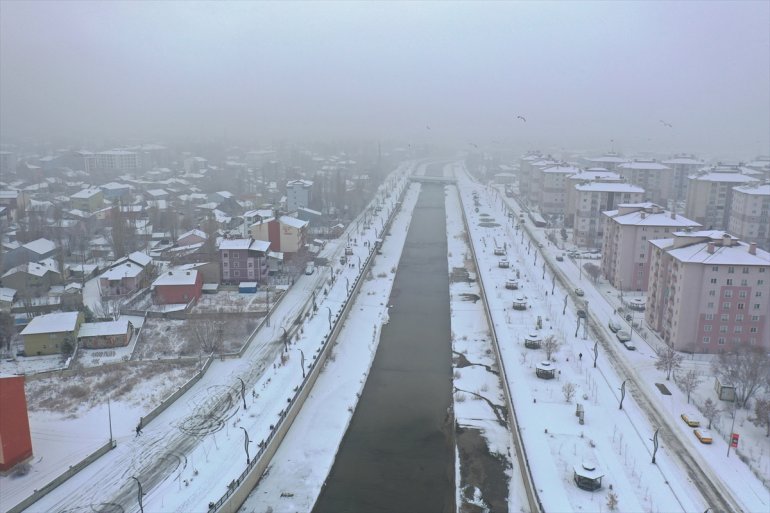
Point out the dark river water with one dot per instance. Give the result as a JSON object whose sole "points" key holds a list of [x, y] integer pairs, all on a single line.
{"points": [[398, 454]]}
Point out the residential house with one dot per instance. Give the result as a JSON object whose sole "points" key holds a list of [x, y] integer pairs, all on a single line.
{"points": [[90, 200], [34, 251], [33, 279], [125, 276], [594, 198], [48, 333], [177, 287], [103, 335], [285, 234], [298, 194], [243, 260]]}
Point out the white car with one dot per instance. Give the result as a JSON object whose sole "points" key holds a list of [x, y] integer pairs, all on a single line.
{"points": [[623, 335], [503, 262], [614, 326], [579, 292], [309, 268]]}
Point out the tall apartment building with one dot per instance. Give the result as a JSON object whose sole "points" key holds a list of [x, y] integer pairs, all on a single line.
{"points": [[298, 194], [609, 161], [593, 199], [243, 260], [120, 160], [625, 250], [710, 193], [594, 174], [750, 212], [552, 187], [525, 169], [683, 165], [708, 292], [655, 178]]}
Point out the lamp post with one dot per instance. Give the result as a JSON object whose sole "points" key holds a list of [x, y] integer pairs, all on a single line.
{"points": [[622, 394], [243, 393], [655, 444], [246, 444], [330, 318], [302, 362], [140, 494], [109, 417]]}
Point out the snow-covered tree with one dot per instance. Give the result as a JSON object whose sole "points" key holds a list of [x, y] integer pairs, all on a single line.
{"points": [[711, 411], [689, 381], [551, 345], [762, 413], [668, 360], [568, 389], [612, 501], [745, 368]]}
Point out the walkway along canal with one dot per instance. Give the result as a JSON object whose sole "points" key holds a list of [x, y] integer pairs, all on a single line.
{"points": [[398, 453]]}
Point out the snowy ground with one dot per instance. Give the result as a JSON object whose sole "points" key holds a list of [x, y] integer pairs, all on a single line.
{"points": [[479, 403], [187, 456], [618, 441]]}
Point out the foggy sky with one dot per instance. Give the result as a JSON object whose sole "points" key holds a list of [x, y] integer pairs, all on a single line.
{"points": [[582, 74]]}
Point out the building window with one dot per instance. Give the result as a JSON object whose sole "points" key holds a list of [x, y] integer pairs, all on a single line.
{"points": [[225, 264], [740, 306], [707, 328], [709, 317], [237, 274], [712, 293], [715, 268], [758, 293], [742, 294], [730, 270], [710, 305], [760, 282], [729, 281], [744, 283], [753, 329], [745, 270], [738, 317], [236, 255], [706, 340], [724, 318], [723, 329], [721, 341], [225, 254], [754, 317], [713, 280], [753, 340], [728, 293], [756, 306], [738, 329], [726, 305], [736, 340]]}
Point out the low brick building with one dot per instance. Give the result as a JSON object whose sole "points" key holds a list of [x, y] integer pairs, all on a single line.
{"points": [[177, 287], [102, 335]]}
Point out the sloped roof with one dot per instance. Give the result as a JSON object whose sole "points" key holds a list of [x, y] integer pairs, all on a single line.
{"points": [[99, 329], [41, 246], [176, 277], [52, 323]]}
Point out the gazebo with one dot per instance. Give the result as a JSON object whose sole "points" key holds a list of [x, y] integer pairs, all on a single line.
{"points": [[533, 341], [587, 477], [545, 370], [519, 303]]}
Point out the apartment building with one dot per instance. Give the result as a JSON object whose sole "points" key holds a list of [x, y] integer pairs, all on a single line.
{"points": [[120, 160], [655, 178], [594, 174], [708, 292], [609, 161], [710, 194], [683, 165], [298, 194], [243, 260], [625, 247], [750, 212], [593, 199], [552, 187]]}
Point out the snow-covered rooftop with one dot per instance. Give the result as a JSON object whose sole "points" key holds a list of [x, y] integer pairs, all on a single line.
{"points": [[41, 246], [759, 190], [293, 222], [609, 187], [176, 277], [737, 253], [51, 323], [98, 329], [123, 270], [645, 216], [722, 177], [644, 165], [86, 193]]}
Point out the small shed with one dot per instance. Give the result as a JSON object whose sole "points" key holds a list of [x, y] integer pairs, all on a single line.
{"points": [[587, 477], [247, 287], [533, 341], [520, 303], [545, 370], [102, 335], [725, 392], [210, 288]]}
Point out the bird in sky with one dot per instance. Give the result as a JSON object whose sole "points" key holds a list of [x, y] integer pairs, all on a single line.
{"points": [[666, 124], [427, 127], [522, 118], [474, 145]]}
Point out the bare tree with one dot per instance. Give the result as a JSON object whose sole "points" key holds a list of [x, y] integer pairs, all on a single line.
{"points": [[711, 411], [593, 270], [551, 345], [762, 413], [612, 501], [668, 360], [745, 368], [568, 389], [208, 335], [7, 330], [689, 381]]}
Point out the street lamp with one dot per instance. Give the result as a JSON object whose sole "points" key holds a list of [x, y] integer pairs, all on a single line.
{"points": [[246, 444], [139, 494], [243, 393], [330, 318]]}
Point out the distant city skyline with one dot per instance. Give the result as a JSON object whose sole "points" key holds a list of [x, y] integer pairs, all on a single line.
{"points": [[662, 77]]}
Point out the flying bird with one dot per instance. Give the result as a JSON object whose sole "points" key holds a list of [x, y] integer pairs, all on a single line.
{"points": [[666, 124], [522, 118], [427, 127], [474, 145]]}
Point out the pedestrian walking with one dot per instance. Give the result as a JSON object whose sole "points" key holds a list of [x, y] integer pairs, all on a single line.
{"points": [[580, 356], [139, 428]]}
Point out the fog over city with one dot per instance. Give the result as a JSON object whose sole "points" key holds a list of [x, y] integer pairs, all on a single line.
{"points": [[633, 76]]}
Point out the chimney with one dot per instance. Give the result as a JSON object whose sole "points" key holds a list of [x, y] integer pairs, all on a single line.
{"points": [[711, 248], [753, 248], [644, 214], [673, 215], [726, 240], [169, 273]]}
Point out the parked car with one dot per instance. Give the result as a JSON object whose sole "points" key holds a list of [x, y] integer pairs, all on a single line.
{"points": [[614, 326], [690, 420], [623, 335], [560, 258], [309, 268], [579, 292], [512, 284], [348, 250], [343, 260], [581, 313], [499, 251], [703, 435], [503, 262], [629, 345]]}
